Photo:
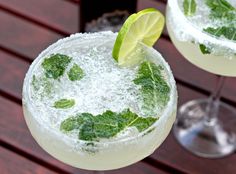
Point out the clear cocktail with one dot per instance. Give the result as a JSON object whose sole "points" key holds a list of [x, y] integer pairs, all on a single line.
{"points": [[204, 31], [191, 33], [87, 111]]}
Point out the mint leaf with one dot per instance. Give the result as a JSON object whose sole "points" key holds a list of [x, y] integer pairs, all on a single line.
{"points": [[189, 7], [55, 65], [221, 9], [35, 83], [154, 89], [105, 125], [75, 122], [204, 49], [227, 32], [142, 123], [64, 103], [75, 73], [129, 119], [42, 85]]}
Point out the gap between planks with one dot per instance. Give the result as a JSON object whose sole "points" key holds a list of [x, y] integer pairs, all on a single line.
{"points": [[32, 157], [148, 160], [34, 21]]}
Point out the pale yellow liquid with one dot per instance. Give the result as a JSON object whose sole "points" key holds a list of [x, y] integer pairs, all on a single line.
{"points": [[109, 155], [220, 65]]}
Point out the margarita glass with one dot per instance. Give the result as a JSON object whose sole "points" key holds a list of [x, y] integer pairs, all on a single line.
{"points": [[104, 86], [207, 40]]}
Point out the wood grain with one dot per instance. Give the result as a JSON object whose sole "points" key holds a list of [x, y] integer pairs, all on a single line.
{"points": [[11, 163], [23, 37], [12, 73], [138, 168], [59, 14]]}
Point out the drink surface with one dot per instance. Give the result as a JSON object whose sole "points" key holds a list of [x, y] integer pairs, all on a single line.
{"points": [[77, 79], [205, 33], [203, 16]]}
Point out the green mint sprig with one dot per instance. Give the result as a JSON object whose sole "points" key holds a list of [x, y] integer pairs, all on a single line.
{"points": [[42, 85], [75, 73], [105, 125], [64, 103], [190, 7], [55, 65], [227, 32], [204, 49], [221, 9], [154, 89]]}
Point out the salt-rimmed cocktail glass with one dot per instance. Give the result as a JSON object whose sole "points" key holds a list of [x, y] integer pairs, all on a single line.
{"points": [[100, 155], [205, 127]]}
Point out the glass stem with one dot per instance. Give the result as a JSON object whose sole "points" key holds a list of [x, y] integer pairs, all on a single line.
{"points": [[212, 109]]}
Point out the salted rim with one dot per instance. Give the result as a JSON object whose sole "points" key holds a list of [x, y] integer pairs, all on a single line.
{"points": [[28, 101], [196, 33]]}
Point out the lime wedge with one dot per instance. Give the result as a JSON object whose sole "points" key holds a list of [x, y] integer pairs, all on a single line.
{"points": [[144, 27]]}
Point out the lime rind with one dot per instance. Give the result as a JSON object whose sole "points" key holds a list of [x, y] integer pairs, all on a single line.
{"points": [[145, 27], [121, 35]]}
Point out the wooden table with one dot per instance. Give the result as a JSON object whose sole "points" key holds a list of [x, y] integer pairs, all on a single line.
{"points": [[29, 26]]}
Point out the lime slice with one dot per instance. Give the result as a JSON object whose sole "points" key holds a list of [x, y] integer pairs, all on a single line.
{"points": [[144, 27]]}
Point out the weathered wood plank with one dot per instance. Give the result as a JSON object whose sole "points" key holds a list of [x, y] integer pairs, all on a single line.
{"points": [[23, 37], [12, 72], [11, 163], [59, 14]]}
